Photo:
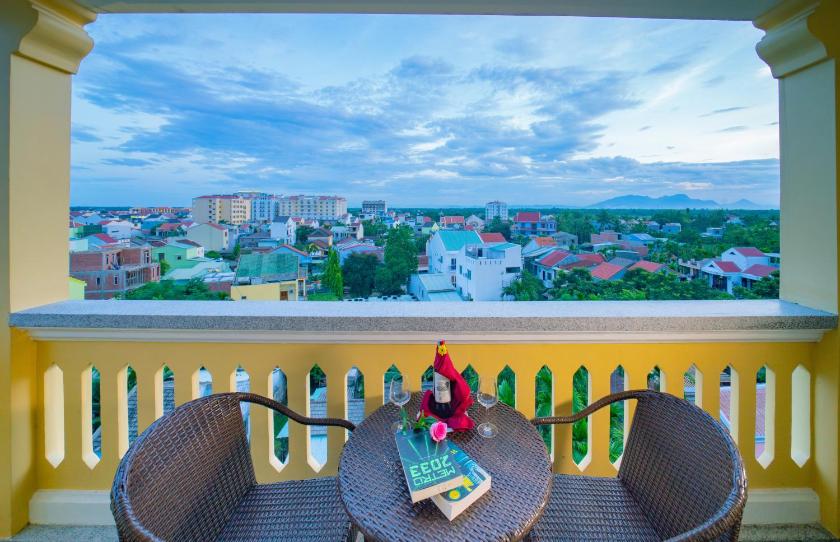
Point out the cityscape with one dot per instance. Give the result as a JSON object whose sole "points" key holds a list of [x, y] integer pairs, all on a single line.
{"points": [[251, 245]]}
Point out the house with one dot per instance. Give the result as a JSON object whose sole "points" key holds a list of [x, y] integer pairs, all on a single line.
{"points": [[304, 259], [624, 263], [533, 224], [213, 237], [323, 235], [672, 228], [745, 256], [452, 222], [547, 267], [493, 237], [645, 239], [283, 229], [485, 270], [432, 287], [605, 237], [650, 267], [475, 223], [169, 229], [653, 225], [200, 268], [443, 247], [340, 232], [268, 277], [101, 239], [607, 271], [722, 275], [565, 239], [691, 269], [179, 254], [113, 270], [118, 229], [738, 266], [356, 247], [713, 233]]}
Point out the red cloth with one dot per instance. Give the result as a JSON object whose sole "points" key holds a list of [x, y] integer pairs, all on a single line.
{"points": [[461, 399]]}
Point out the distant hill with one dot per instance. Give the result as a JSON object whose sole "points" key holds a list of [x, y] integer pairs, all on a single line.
{"points": [[675, 201]]}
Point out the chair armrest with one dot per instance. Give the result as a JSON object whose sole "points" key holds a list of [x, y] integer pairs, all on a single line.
{"points": [[597, 405], [283, 409]]}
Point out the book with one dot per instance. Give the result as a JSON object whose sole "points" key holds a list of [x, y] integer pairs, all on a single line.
{"points": [[429, 466], [476, 483]]}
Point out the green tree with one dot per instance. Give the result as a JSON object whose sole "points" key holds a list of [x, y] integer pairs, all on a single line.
{"points": [[498, 226], [164, 267], [332, 278], [302, 234], [359, 274], [400, 261], [526, 288], [195, 290]]}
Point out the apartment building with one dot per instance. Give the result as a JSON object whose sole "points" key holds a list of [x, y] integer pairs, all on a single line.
{"points": [[215, 209], [485, 270], [496, 209], [443, 247], [374, 207], [262, 205], [113, 271], [312, 207]]}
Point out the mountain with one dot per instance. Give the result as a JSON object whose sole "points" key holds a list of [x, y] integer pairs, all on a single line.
{"points": [[674, 201]]}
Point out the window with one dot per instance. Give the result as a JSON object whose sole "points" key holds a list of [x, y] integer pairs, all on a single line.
{"points": [[116, 280], [513, 269]]}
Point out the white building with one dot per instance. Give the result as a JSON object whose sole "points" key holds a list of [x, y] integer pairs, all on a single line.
{"points": [[432, 287], [118, 229], [283, 228], [738, 266], [483, 271], [495, 209], [443, 247], [312, 207], [374, 207], [262, 205]]}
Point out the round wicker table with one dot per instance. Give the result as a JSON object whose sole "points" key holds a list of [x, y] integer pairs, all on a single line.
{"points": [[374, 493]]}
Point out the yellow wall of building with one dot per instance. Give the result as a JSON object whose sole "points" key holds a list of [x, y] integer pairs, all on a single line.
{"points": [[265, 292]]}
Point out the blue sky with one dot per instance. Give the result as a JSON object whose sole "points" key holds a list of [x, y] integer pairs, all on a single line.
{"points": [[422, 110]]}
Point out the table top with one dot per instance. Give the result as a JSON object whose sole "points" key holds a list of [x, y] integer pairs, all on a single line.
{"points": [[374, 492]]}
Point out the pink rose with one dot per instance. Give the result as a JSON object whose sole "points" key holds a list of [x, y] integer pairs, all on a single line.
{"points": [[438, 431]]}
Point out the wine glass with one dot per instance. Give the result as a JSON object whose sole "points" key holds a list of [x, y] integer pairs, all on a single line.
{"points": [[488, 395], [400, 395]]}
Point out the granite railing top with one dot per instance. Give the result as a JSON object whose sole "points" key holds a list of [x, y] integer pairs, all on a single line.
{"points": [[429, 317]]}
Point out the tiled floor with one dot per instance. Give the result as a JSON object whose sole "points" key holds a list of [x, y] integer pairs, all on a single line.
{"points": [[764, 533]]}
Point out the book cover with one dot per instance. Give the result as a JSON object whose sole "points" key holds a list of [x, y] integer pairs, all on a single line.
{"points": [[476, 483], [429, 466]]}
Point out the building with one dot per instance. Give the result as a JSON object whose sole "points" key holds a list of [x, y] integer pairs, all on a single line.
{"points": [[496, 209], [645, 239], [452, 222], [565, 239], [312, 207], [374, 207], [113, 270], [650, 267], [213, 237], [474, 223], [533, 224], [276, 276], [178, 253], [200, 269], [737, 266], [485, 270], [443, 247], [432, 287], [323, 235], [118, 229], [262, 205], [607, 271], [606, 236], [672, 228], [216, 209], [283, 229]]}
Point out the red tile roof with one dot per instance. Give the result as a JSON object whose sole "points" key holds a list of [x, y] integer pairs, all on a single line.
{"points": [[545, 242], [591, 257], [494, 237], [553, 258], [759, 270], [169, 226], [606, 271], [105, 238], [217, 226], [188, 242], [749, 251], [527, 217], [727, 267], [650, 267]]}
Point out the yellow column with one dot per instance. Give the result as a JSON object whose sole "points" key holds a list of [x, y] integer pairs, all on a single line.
{"points": [[801, 47], [41, 45]]}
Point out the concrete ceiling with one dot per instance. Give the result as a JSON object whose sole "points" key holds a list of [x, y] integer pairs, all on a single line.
{"points": [[734, 10]]}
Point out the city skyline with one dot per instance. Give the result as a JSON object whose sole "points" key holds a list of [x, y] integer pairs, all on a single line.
{"points": [[459, 111]]}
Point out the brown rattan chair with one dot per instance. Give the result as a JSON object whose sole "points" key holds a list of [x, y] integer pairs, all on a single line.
{"points": [[681, 478], [189, 477]]}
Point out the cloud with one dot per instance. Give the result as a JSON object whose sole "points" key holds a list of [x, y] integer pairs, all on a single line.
{"points": [[83, 134], [714, 81], [724, 110], [733, 129], [519, 47], [132, 162], [645, 128]]}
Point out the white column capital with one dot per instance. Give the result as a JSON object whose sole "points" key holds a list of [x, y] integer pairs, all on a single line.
{"points": [[790, 43]]}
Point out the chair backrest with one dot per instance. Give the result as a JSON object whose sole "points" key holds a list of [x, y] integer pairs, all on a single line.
{"points": [[684, 470], [184, 476]]}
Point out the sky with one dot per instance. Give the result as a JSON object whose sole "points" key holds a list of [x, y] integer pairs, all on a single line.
{"points": [[422, 110]]}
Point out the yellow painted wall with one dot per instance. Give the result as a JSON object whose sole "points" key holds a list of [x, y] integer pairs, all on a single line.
{"points": [[265, 292]]}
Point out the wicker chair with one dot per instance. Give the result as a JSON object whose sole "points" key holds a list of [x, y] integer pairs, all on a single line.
{"points": [[189, 476], [681, 478]]}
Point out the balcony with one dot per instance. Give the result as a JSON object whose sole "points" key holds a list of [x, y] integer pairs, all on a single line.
{"points": [[54, 474]]}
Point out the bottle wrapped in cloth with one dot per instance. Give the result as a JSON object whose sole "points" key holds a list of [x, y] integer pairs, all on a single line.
{"points": [[450, 398]]}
